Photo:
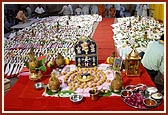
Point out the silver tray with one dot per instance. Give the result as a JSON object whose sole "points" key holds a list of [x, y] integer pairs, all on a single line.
{"points": [[39, 85], [143, 106]]}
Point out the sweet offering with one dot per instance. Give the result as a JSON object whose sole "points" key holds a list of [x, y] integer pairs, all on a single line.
{"points": [[116, 83], [126, 93], [157, 96], [35, 66], [82, 80], [110, 59], [150, 102], [60, 60], [85, 78]]}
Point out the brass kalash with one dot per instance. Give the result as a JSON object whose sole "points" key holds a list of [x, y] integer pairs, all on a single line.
{"points": [[132, 63]]}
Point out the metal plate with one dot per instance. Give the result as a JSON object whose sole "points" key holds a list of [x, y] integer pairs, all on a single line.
{"points": [[133, 100]]}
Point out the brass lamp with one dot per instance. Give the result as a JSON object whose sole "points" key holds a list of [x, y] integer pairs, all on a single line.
{"points": [[132, 63]]}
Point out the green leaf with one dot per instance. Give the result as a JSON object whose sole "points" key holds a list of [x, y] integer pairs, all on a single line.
{"points": [[67, 91], [41, 62], [49, 92], [42, 68], [110, 88], [105, 94]]}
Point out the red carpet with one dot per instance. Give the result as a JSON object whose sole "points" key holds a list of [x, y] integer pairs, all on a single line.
{"points": [[103, 38], [23, 97]]}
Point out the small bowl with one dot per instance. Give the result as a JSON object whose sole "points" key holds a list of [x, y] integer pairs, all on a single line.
{"points": [[39, 85], [126, 93], [157, 96], [76, 98], [150, 102], [141, 87], [130, 87], [151, 90], [94, 94]]}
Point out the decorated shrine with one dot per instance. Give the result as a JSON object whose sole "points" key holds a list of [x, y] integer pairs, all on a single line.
{"points": [[86, 53], [132, 64]]}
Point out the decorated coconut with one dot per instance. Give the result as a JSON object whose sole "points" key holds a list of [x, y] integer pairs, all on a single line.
{"points": [[60, 61], [54, 82], [35, 66]]}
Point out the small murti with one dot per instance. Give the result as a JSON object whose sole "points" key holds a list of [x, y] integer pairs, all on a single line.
{"points": [[86, 53], [132, 63]]}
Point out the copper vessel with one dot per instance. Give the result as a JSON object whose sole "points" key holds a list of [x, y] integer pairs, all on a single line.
{"points": [[94, 94]]}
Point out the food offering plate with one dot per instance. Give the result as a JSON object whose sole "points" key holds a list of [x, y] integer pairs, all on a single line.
{"points": [[84, 78], [135, 96]]}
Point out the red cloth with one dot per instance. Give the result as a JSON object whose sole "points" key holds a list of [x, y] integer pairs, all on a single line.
{"points": [[23, 96], [103, 37]]}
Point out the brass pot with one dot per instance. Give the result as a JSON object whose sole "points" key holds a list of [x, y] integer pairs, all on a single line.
{"points": [[60, 62], [116, 83]]}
